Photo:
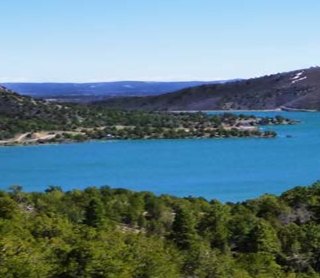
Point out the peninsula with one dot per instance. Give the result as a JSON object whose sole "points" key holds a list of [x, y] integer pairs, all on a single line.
{"points": [[25, 120]]}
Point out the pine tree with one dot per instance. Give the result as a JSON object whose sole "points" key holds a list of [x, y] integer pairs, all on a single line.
{"points": [[94, 213], [183, 229]]}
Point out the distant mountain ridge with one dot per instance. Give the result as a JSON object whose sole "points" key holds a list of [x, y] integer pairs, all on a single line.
{"points": [[86, 92], [299, 89]]}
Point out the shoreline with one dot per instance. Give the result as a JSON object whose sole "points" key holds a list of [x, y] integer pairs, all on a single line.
{"points": [[224, 111], [129, 139], [283, 109]]}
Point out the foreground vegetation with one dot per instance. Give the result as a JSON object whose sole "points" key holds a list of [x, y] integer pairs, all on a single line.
{"points": [[24, 120], [103, 232]]}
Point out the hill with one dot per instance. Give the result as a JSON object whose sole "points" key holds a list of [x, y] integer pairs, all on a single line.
{"points": [[24, 120], [298, 89], [86, 92]]}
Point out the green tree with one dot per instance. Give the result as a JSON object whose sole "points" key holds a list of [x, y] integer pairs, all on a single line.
{"points": [[94, 213], [260, 265], [8, 207], [264, 238], [214, 226], [183, 228]]}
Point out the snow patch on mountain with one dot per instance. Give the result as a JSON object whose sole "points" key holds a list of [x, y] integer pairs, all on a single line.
{"points": [[298, 77]]}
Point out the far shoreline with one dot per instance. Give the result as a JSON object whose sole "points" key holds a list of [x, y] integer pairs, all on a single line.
{"points": [[34, 144], [243, 126], [225, 111], [247, 111]]}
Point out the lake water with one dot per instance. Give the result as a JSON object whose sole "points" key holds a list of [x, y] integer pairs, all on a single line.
{"points": [[224, 169]]}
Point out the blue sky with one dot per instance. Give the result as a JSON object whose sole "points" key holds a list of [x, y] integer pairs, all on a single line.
{"points": [[103, 40]]}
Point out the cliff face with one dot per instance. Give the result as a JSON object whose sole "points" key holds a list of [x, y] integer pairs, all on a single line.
{"points": [[297, 89]]}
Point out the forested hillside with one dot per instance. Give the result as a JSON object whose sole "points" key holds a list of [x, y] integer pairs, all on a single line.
{"points": [[103, 232]]}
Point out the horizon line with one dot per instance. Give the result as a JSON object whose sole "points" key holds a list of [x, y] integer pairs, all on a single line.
{"points": [[21, 80]]}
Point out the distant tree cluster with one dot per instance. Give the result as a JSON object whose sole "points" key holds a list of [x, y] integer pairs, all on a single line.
{"points": [[104, 232]]}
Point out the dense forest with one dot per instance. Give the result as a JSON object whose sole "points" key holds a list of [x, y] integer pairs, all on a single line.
{"points": [[104, 232]]}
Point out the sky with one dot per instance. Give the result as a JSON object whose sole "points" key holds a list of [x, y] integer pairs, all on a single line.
{"points": [[160, 40]]}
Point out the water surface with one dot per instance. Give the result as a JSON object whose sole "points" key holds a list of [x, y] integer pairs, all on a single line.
{"points": [[225, 169]]}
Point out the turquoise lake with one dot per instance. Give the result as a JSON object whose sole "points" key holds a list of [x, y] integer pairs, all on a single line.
{"points": [[224, 169]]}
